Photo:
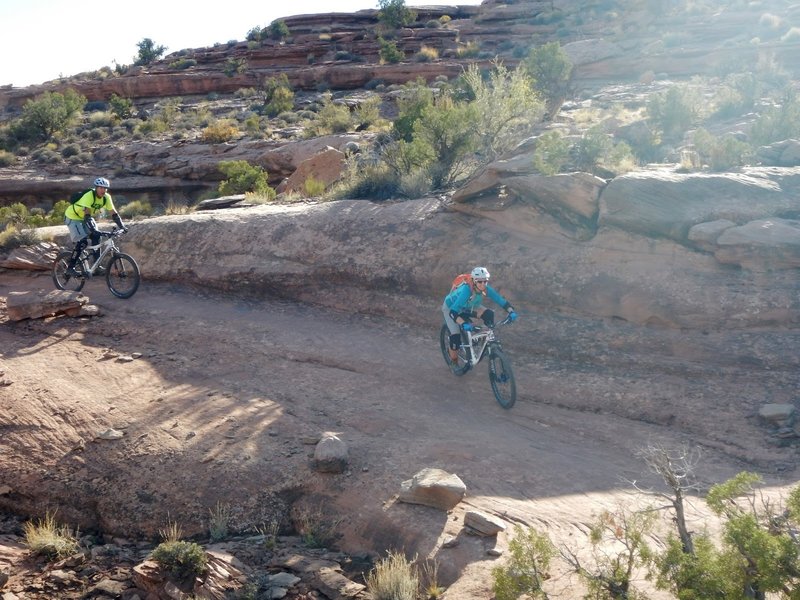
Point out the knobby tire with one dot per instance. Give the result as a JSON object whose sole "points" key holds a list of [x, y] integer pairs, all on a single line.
{"points": [[462, 365], [501, 377], [60, 278], [122, 276]]}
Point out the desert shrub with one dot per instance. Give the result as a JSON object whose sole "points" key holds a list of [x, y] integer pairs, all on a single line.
{"points": [[777, 123], [433, 24], [331, 118], [445, 19], [242, 177], [7, 158], [122, 108], [220, 131], [395, 13], [551, 154], [721, 153], [415, 184], [182, 560], [468, 50], [313, 187], [737, 95], [50, 113], [219, 518], [70, 150], [315, 529], [276, 95], [148, 52], [176, 207], [389, 52], [674, 111], [136, 208], [393, 578], [11, 238], [278, 30], [234, 66], [550, 69], [58, 210], [592, 149], [182, 63], [367, 182], [47, 538], [505, 105], [101, 119], [368, 112], [411, 102], [447, 128], [529, 556], [426, 54], [270, 530]]}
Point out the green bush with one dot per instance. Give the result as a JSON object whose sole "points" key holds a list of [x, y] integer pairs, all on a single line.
{"points": [[242, 177], [777, 123], [148, 52], [529, 557], [278, 30], [182, 63], [551, 70], [721, 153], [50, 113], [389, 52], [276, 95], [121, 107], [234, 66], [367, 182], [674, 111], [394, 13], [332, 118], [426, 54], [181, 560], [551, 154]]}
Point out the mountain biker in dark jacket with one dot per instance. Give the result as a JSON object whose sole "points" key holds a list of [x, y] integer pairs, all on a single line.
{"points": [[466, 301], [79, 218]]}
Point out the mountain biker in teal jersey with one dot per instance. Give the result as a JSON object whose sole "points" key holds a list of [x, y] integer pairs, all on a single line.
{"points": [[466, 301], [79, 218]]}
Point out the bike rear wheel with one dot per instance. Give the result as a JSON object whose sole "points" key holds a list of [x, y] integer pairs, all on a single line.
{"points": [[459, 367], [63, 281], [502, 378], [122, 276]]}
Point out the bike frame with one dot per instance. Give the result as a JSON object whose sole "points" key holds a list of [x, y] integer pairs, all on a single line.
{"points": [[105, 246], [478, 340]]}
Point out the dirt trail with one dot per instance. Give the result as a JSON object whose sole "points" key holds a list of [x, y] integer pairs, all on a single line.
{"points": [[230, 393]]}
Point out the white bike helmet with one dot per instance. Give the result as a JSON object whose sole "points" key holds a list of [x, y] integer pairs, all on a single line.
{"points": [[480, 273], [102, 182]]}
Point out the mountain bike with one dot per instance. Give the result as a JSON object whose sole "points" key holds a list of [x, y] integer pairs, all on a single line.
{"points": [[475, 345], [121, 271]]}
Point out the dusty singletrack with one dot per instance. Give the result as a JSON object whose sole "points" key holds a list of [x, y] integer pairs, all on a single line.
{"points": [[221, 398]]}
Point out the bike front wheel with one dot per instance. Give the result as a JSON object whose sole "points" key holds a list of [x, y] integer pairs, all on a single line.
{"points": [[63, 281], [502, 378], [122, 276], [461, 365]]}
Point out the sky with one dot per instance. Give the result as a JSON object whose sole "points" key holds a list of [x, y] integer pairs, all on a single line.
{"points": [[42, 40]]}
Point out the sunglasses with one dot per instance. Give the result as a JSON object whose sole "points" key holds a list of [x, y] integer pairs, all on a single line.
{"points": [[483, 281]]}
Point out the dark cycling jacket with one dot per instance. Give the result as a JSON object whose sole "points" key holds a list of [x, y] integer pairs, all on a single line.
{"points": [[463, 299]]}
